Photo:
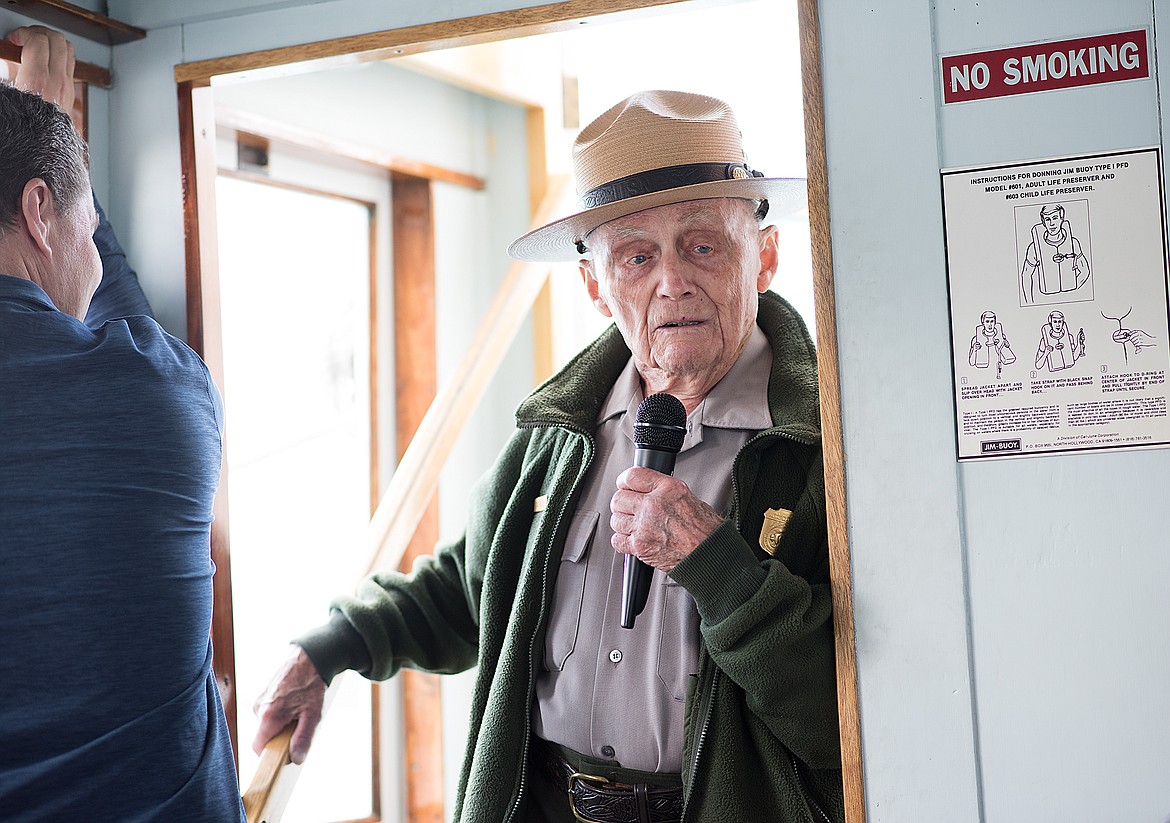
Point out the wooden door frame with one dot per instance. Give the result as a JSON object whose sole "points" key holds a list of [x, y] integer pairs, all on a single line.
{"points": [[220, 537], [193, 77], [416, 376], [204, 332]]}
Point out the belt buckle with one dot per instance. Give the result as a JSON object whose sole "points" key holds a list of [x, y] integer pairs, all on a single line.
{"points": [[592, 778]]}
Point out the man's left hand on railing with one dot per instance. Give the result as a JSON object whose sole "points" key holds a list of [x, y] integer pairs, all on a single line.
{"points": [[295, 695], [46, 66]]}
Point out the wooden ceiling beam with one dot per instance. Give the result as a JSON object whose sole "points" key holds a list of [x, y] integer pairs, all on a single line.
{"points": [[78, 21]]}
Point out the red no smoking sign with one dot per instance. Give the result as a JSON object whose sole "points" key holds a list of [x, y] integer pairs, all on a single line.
{"points": [[1060, 64]]}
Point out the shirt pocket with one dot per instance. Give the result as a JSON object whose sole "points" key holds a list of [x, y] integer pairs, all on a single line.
{"points": [[569, 592], [678, 640]]}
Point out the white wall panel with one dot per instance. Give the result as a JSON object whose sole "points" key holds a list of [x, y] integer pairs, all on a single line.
{"points": [[1066, 556], [910, 604]]}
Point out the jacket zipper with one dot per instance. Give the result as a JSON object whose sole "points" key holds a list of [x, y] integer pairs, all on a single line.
{"points": [[808, 798], [759, 437], [710, 702], [532, 645], [707, 711]]}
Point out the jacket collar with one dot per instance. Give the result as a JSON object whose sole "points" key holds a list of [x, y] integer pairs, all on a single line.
{"points": [[573, 397]]}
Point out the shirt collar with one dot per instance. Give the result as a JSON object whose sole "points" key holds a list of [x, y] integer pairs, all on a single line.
{"points": [[738, 401], [24, 291]]}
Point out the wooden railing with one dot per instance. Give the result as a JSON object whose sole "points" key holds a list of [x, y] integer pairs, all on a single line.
{"points": [[417, 475]]}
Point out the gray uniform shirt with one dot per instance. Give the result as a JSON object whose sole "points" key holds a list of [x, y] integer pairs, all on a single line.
{"points": [[617, 693]]}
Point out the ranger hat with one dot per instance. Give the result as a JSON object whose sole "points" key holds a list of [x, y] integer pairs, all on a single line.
{"points": [[653, 149]]}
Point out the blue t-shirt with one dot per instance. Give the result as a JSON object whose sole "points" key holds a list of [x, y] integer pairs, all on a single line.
{"points": [[110, 444], [119, 294]]}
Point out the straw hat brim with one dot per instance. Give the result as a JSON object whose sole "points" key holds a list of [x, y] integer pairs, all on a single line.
{"points": [[557, 241]]}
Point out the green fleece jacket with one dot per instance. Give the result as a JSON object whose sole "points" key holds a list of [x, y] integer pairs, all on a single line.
{"points": [[761, 716]]}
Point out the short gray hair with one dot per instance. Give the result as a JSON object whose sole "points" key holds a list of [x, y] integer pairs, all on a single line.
{"points": [[37, 140]]}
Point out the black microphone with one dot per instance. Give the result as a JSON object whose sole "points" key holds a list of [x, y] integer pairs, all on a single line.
{"points": [[659, 429]]}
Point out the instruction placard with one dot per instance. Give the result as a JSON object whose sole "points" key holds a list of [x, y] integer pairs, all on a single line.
{"points": [[1060, 319]]}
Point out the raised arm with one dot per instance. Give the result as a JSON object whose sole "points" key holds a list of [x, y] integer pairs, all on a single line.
{"points": [[46, 68], [119, 294]]}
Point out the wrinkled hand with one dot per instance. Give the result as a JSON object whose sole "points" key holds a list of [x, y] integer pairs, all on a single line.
{"points": [[46, 65], [657, 518], [295, 695]]}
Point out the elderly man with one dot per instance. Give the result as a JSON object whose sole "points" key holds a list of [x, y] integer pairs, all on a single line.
{"points": [[719, 704], [108, 464]]}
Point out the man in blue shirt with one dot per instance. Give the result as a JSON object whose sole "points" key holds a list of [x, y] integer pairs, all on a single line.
{"points": [[108, 465]]}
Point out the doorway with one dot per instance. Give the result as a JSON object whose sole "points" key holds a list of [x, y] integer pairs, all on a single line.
{"points": [[493, 27]]}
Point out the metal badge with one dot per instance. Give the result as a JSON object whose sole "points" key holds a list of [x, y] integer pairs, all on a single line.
{"points": [[774, 522]]}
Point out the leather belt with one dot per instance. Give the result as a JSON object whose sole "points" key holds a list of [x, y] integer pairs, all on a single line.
{"points": [[595, 799]]}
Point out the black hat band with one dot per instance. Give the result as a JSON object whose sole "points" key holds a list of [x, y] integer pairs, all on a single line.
{"points": [[671, 177]]}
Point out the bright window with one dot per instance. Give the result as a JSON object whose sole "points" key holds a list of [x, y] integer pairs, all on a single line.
{"points": [[295, 275]]}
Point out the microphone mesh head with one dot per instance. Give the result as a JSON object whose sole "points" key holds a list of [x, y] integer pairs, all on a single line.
{"points": [[661, 423]]}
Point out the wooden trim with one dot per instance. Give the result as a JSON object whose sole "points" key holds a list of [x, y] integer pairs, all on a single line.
{"points": [[465, 31], [242, 121], [423, 742], [265, 180], [191, 243], [197, 160], [415, 358], [273, 767], [417, 475], [80, 113], [267, 799], [375, 752], [831, 435], [375, 492], [416, 380], [82, 72], [77, 20], [542, 309], [374, 356]]}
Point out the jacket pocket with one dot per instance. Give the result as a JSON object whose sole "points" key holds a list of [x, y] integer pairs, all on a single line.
{"points": [[569, 592]]}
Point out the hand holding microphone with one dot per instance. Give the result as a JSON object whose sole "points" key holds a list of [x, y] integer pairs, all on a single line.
{"points": [[659, 429]]}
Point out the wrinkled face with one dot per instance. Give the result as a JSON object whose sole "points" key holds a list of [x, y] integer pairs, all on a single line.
{"points": [[681, 283], [77, 267]]}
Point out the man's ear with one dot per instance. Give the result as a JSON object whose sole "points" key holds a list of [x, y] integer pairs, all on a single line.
{"points": [[769, 257], [38, 214], [593, 287]]}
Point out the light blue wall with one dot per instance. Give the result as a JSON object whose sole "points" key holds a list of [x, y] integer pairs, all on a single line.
{"points": [[1066, 558], [1012, 656], [902, 487]]}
